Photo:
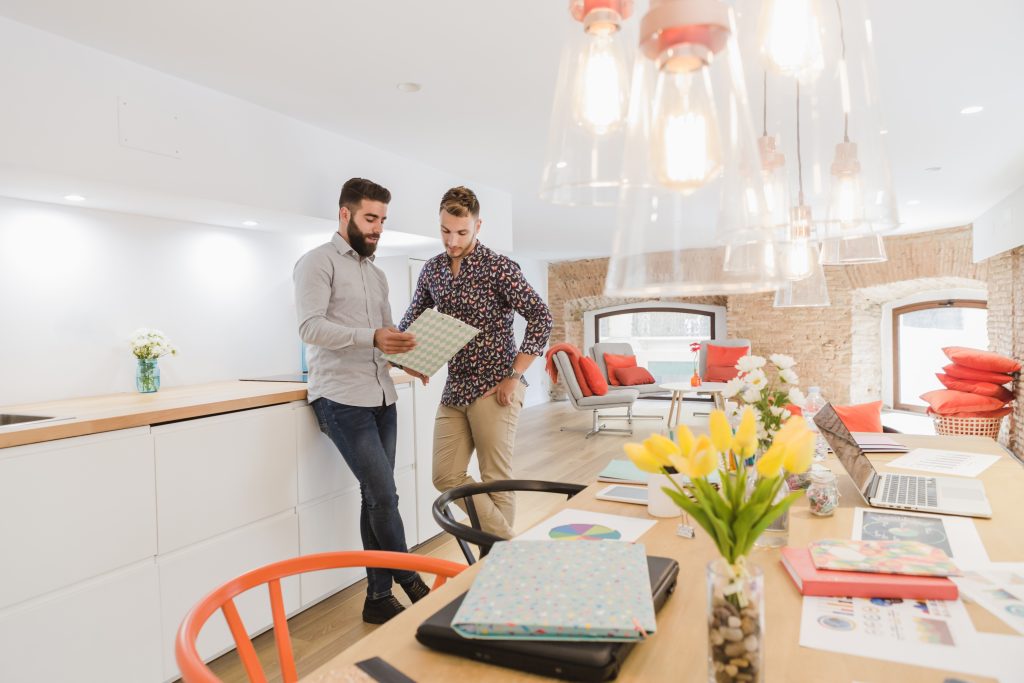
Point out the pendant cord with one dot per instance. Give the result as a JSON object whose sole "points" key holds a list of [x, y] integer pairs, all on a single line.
{"points": [[842, 41], [799, 161], [764, 102]]}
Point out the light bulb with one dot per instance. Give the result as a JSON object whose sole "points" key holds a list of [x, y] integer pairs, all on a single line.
{"points": [[800, 257], [773, 173], [789, 33], [686, 147], [601, 83], [846, 196]]}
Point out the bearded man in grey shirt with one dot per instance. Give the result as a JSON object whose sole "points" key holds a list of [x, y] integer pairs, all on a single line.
{"points": [[344, 315]]}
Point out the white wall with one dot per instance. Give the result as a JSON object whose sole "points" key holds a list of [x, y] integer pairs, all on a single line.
{"points": [[75, 283], [536, 273]]}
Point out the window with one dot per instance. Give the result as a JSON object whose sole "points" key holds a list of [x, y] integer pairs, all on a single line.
{"points": [[660, 337], [919, 333]]}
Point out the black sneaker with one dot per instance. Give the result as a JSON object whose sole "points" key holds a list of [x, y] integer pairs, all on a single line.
{"points": [[416, 589], [380, 610]]}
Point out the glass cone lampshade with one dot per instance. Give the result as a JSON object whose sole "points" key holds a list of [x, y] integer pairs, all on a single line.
{"points": [[845, 251], [692, 212], [583, 166], [811, 291], [842, 155]]}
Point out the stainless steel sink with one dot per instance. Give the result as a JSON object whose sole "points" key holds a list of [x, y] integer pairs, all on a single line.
{"points": [[8, 419]]}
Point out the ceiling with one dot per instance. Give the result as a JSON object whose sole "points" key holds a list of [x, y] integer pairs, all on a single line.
{"points": [[488, 71]]}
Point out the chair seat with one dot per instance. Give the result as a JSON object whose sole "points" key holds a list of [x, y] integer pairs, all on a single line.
{"points": [[622, 396], [641, 389]]}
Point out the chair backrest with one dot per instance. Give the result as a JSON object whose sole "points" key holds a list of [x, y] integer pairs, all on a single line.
{"points": [[567, 376], [472, 532], [598, 350], [194, 670], [702, 359]]}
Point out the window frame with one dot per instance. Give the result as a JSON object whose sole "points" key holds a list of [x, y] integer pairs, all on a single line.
{"points": [[897, 311]]}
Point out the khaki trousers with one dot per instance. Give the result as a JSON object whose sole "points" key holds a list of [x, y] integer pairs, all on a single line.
{"points": [[491, 430]]}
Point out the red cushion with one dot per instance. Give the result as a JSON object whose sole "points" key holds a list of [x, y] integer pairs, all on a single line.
{"points": [[794, 409], [725, 355], [631, 377], [981, 360], [581, 379], [861, 417], [950, 402], [613, 361], [1002, 412], [975, 387], [593, 377], [720, 373], [964, 372]]}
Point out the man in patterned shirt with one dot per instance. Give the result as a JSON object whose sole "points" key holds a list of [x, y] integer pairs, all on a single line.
{"points": [[483, 397]]}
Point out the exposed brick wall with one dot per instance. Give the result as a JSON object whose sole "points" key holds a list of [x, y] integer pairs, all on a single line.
{"points": [[839, 347]]}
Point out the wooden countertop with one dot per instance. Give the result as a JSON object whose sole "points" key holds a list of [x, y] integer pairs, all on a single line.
{"points": [[95, 414]]}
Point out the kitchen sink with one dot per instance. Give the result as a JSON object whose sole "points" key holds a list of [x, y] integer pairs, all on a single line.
{"points": [[8, 419]]}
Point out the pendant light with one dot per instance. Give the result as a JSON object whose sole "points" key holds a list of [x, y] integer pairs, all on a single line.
{"points": [[857, 249], [789, 36], [692, 168], [583, 166], [810, 292], [801, 254]]}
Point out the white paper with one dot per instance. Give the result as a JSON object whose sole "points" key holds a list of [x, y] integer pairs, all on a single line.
{"points": [[932, 633], [1000, 655], [572, 524], [956, 536], [944, 462], [999, 588]]}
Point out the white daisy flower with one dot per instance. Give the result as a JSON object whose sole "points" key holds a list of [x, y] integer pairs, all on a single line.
{"points": [[789, 376], [748, 363], [782, 361]]}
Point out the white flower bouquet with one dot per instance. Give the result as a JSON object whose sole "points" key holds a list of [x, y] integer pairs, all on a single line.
{"points": [[767, 397], [147, 344]]}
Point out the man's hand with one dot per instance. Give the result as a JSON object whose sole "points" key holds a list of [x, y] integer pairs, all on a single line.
{"points": [[505, 390], [421, 377], [390, 340]]}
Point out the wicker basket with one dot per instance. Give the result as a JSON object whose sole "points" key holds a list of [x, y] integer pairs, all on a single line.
{"points": [[952, 425]]}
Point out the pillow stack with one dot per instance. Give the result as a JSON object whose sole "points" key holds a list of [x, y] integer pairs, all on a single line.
{"points": [[975, 384]]}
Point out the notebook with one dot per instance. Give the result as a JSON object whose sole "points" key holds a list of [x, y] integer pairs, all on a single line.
{"points": [[438, 338], [882, 557], [556, 659], [810, 580], [622, 472], [553, 590]]}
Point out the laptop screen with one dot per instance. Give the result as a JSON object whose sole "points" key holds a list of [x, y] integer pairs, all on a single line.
{"points": [[845, 447]]}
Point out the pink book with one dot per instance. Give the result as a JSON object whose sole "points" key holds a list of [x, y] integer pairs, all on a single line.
{"points": [[829, 583]]}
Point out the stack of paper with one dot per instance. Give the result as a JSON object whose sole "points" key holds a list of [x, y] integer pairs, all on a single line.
{"points": [[622, 472], [871, 442]]}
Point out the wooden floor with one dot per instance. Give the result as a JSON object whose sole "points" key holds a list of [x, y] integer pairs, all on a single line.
{"points": [[542, 451]]}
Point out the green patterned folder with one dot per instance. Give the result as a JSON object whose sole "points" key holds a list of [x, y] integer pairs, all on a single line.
{"points": [[438, 338], [553, 590]]}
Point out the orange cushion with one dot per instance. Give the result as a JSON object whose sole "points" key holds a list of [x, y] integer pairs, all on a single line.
{"points": [[631, 377], [581, 379], [981, 360], [861, 417], [725, 355], [795, 409], [950, 402], [975, 387], [614, 361], [1002, 412], [964, 372], [720, 373], [592, 374]]}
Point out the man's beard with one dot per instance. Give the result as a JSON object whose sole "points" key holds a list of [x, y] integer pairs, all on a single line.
{"points": [[357, 241]]}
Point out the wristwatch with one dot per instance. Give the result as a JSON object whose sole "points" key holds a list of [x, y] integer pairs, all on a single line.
{"points": [[514, 374]]}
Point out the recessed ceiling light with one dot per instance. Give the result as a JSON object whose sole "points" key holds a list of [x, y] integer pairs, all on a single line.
{"points": [[933, 168], [409, 87], [971, 110], [74, 198], [250, 224], [913, 202], [884, 131], [561, 164]]}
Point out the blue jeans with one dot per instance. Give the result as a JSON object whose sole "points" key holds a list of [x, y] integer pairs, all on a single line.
{"points": [[366, 439]]}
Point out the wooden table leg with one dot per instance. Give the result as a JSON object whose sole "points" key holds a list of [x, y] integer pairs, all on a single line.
{"points": [[673, 410]]}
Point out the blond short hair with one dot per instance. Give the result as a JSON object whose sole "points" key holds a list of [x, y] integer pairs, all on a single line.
{"points": [[461, 201]]}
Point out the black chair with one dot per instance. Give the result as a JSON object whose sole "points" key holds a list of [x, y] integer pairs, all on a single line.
{"points": [[472, 532]]}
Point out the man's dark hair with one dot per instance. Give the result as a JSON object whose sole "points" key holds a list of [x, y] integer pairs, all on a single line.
{"points": [[356, 190], [461, 201]]}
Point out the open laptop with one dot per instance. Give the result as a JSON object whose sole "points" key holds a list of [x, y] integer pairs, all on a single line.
{"points": [[574, 661], [944, 495]]}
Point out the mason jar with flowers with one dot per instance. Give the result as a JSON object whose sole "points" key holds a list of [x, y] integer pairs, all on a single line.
{"points": [[733, 517], [148, 345]]}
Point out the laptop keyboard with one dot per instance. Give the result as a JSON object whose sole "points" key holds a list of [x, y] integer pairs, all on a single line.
{"points": [[904, 489]]}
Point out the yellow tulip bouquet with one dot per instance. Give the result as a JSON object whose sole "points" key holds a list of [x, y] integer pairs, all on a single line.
{"points": [[735, 515]]}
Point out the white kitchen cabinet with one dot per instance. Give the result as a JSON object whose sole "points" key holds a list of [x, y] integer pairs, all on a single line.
{"points": [[327, 526], [219, 473], [321, 469], [105, 630], [405, 448], [189, 574], [426, 400], [73, 509]]}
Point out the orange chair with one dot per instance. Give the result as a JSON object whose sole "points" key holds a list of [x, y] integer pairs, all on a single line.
{"points": [[194, 670]]}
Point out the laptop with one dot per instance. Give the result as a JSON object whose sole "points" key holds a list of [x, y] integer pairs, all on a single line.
{"points": [[573, 661], [943, 495]]}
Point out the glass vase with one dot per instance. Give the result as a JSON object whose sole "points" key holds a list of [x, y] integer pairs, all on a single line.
{"points": [[147, 375], [735, 621]]}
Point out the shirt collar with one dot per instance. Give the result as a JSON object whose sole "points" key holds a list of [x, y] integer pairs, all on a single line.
{"points": [[479, 252], [345, 249]]}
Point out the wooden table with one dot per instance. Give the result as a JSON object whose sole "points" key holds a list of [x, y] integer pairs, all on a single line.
{"points": [[680, 389], [678, 652]]}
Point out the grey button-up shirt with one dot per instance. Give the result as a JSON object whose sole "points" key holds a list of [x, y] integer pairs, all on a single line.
{"points": [[341, 298]]}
